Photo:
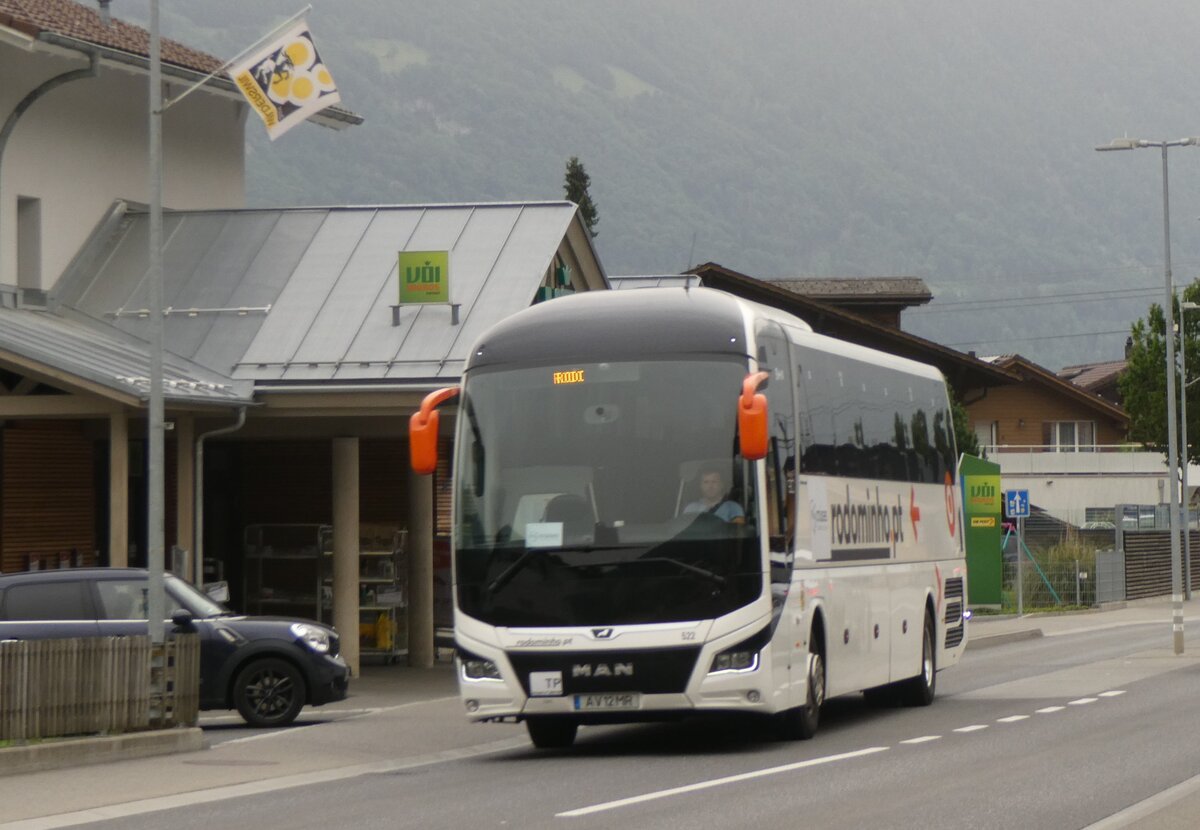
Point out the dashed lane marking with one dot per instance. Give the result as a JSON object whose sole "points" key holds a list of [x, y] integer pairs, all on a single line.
{"points": [[1083, 701], [924, 739], [717, 782], [975, 727], [1050, 709], [1012, 719]]}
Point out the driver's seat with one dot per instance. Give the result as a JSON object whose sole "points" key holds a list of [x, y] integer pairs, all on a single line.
{"points": [[575, 514]]}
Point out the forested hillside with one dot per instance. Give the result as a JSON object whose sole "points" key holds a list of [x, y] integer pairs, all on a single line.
{"points": [[950, 141]]}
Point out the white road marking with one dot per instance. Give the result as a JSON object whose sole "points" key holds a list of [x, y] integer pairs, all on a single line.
{"points": [[924, 739], [1050, 709], [1083, 701], [975, 727], [1114, 693], [718, 782], [1012, 719]]}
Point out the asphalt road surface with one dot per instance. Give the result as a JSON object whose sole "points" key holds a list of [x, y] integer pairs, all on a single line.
{"points": [[1058, 732]]}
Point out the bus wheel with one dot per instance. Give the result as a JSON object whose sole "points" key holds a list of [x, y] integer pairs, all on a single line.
{"points": [[919, 690], [801, 722], [551, 733]]}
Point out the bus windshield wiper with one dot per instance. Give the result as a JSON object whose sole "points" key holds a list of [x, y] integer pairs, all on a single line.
{"points": [[696, 569], [518, 565]]}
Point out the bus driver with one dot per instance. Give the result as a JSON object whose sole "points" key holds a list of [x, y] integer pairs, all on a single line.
{"points": [[713, 498]]}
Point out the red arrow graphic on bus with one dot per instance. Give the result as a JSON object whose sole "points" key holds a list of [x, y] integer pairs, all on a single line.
{"points": [[914, 512]]}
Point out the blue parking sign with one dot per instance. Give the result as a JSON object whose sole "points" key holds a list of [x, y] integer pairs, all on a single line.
{"points": [[1016, 503]]}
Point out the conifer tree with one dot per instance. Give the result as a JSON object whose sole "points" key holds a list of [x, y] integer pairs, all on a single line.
{"points": [[576, 187]]}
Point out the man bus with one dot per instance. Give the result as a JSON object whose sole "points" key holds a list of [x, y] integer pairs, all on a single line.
{"points": [[586, 591]]}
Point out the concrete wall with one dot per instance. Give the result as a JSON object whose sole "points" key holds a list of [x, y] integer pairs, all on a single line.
{"points": [[84, 144]]}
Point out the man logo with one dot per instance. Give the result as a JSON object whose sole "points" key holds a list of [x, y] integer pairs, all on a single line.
{"points": [[602, 633], [602, 670]]}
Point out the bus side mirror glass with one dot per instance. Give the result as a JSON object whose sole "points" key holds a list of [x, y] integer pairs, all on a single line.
{"points": [[423, 432], [752, 418]]}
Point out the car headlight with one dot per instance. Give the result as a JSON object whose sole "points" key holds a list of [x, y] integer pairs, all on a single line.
{"points": [[742, 657], [475, 667], [312, 636]]}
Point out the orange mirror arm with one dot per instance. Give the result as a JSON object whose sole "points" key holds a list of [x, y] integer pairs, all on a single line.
{"points": [[432, 401], [750, 385]]}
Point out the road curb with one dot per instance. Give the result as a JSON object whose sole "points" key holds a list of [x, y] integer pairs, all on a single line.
{"points": [[977, 641], [98, 749]]}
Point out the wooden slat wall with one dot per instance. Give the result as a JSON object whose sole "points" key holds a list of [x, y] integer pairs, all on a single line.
{"points": [[443, 488], [1148, 563], [48, 497]]}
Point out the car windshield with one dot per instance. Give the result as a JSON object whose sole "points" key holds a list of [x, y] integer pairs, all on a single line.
{"points": [[187, 597], [605, 493]]}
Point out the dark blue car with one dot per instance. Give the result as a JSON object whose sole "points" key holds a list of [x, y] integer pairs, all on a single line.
{"points": [[267, 668]]}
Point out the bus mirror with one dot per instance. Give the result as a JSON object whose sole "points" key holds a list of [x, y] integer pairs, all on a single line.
{"points": [[423, 431], [752, 418]]}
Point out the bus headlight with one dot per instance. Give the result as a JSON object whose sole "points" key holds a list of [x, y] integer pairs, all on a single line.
{"points": [[474, 667], [742, 657]]}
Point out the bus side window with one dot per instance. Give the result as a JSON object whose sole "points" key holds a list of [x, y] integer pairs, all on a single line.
{"points": [[781, 447]]}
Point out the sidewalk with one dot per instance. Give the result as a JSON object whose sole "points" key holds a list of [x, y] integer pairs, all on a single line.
{"points": [[985, 630]]}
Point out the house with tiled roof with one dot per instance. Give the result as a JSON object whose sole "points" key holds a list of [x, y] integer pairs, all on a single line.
{"points": [[74, 107], [1098, 378], [881, 299]]}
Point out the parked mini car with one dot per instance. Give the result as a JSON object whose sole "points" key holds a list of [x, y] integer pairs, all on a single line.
{"points": [[267, 668]]}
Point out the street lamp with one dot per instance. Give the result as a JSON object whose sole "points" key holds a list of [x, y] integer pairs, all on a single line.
{"points": [[1184, 308], [1169, 311]]}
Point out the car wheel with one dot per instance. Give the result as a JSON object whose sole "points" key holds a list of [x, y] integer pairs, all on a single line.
{"points": [[551, 733], [269, 692]]}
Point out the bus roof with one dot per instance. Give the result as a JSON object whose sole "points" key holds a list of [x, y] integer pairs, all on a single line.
{"points": [[615, 325]]}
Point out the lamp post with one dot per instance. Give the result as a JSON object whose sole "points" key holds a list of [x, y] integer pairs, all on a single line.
{"points": [[1169, 312], [1184, 308]]}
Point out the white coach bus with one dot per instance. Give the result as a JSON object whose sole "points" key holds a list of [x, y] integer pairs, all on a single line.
{"points": [[671, 501]]}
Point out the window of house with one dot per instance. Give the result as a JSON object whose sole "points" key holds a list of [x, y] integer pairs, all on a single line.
{"points": [[987, 433], [29, 242], [1069, 436]]}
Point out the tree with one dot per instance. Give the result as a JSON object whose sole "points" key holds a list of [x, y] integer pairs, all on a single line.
{"points": [[964, 437], [576, 187], [1143, 385]]}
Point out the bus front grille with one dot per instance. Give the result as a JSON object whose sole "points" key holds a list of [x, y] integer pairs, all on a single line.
{"points": [[650, 671]]}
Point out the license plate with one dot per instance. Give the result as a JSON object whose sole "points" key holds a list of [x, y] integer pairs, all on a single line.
{"points": [[616, 700]]}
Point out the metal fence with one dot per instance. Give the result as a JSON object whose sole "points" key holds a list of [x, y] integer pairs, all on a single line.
{"points": [[1045, 584], [96, 685]]}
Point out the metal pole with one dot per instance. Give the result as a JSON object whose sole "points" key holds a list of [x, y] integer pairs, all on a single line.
{"points": [[155, 524], [1020, 556], [1183, 440], [1172, 447]]}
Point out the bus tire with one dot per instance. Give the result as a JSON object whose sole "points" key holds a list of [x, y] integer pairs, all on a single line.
{"points": [[919, 690], [551, 733], [801, 722]]}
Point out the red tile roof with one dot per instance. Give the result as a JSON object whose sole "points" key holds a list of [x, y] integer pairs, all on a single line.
{"points": [[82, 22]]}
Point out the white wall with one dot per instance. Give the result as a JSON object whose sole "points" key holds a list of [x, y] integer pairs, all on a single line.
{"points": [[84, 144], [1064, 484]]}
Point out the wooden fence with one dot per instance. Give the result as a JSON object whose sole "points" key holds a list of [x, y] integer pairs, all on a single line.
{"points": [[96, 685]]}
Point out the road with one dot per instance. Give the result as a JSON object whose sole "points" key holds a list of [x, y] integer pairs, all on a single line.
{"points": [[1057, 732]]}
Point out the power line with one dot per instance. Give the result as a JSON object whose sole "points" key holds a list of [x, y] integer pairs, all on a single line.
{"points": [[1104, 294], [1044, 337]]}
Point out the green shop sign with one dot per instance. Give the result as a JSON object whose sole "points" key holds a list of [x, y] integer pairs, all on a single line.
{"points": [[982, 500], [424, 277]]}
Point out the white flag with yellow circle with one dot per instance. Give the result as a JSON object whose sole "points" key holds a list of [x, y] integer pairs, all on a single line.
{"points": [[285, 80]]}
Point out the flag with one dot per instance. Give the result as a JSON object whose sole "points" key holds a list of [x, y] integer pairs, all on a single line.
{"points": [[285, 80]]}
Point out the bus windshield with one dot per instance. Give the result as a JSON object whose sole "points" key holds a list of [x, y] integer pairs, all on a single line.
{"points": [[604, 494]]}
